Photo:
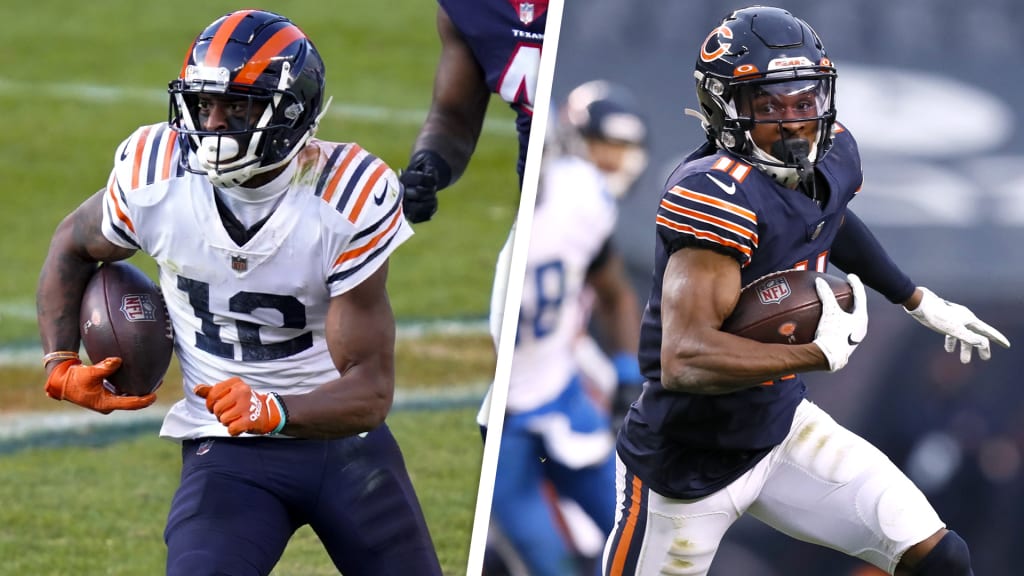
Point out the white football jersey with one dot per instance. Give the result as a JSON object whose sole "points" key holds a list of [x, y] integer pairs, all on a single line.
{"points": [[255, 311], [573, 219]]}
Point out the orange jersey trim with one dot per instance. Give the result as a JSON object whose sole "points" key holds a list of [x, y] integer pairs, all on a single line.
{"points": [[706, 199], [745, 232], [172, 139], [704, 235], [140, 146], [117, 208], [333, 184], [357, 252], [365, 192]]}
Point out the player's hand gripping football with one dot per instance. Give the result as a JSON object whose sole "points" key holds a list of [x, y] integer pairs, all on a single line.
{"points": [[83, 385], [839, 332], [958, 324], [426, 174], [243, 409]]}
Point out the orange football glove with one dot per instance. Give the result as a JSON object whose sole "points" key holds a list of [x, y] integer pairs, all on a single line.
{"points": [[243, 409], [83, 385]]}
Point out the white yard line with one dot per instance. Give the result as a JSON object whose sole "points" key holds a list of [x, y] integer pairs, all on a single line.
{"points": [[104, 94], [16, 426]]}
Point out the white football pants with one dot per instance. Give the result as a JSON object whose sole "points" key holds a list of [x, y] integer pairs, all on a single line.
{"points": [[823, 484]]}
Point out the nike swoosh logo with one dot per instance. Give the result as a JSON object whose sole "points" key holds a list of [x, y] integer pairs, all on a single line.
{"points": [[378, 200], [124, 151], [851, 341], [730, 189]]}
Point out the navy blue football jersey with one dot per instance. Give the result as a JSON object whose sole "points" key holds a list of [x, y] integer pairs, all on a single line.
{"points": [[690, 445], [506, 37]]}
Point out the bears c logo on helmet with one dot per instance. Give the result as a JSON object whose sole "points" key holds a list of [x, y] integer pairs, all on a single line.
{"points": [[713, 47]]}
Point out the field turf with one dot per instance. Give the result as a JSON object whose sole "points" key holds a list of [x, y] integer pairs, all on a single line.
{"points": [[80, 77]]}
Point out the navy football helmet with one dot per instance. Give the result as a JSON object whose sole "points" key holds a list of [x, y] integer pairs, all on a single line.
{"points": [[600, 111], [263, 60], [764, 54]]}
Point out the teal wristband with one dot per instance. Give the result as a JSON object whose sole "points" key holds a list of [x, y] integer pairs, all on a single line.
{"points": [[284, 413]]}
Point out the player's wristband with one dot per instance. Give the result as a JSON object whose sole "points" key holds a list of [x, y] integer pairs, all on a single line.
{"points": [[283, 410], [61, 355], [627, 369]]}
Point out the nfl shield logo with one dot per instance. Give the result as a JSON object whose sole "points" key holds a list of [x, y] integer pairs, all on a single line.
{"points": [[239, 263], [526, 12], [138, 308], [773, 291]]}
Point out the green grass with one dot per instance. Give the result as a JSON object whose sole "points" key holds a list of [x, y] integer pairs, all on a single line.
{"points": [[101, 510], [59, 142]]}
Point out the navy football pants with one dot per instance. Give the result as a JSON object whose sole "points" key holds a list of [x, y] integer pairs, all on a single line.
{"points": [[240, 500]]}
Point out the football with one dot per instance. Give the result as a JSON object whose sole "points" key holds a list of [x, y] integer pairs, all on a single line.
{"points": [[123, 314], [783, 307]]}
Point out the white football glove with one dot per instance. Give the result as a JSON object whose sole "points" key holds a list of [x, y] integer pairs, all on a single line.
{"points": [[839, 332], [958, 324]]}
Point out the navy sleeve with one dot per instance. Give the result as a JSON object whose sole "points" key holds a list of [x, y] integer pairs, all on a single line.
{"points": [[856, 250]]}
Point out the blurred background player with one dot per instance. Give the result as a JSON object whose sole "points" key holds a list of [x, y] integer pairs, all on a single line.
{"points": [[556, 444], [288, 362], [487, 46], [723, 428], [601, 122]]}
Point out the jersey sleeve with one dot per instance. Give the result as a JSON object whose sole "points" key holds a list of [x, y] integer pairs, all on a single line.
{"points": [[146, 157], [369, 197], [709, 209]]}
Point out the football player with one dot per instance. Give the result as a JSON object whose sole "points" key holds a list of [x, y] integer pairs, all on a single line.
{"points": [[555, 434], [723, 427], [487, 46], [273, 253]]}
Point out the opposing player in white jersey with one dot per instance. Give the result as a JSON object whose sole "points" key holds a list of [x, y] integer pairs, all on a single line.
{"points": [[273, 249], [555, 434]]}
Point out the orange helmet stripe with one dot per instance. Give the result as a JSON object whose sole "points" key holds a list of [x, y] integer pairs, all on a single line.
{"points": [[261, 59], [188, 56], [221, 37]]}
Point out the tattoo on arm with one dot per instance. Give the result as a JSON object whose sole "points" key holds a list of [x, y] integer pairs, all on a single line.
{"points": [[77, 246]]}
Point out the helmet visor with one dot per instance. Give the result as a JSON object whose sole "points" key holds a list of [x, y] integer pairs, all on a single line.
{"points": [[791, 101]]}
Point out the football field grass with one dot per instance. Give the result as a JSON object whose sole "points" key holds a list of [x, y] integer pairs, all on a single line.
{"points": [[91, 72], [93, 500], [100, 509], [81, 77]]}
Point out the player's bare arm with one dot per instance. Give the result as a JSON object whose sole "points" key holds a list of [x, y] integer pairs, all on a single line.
{"points": [[77, 245], [700, 290], [617, 310], [361, 338], [459, 104]]}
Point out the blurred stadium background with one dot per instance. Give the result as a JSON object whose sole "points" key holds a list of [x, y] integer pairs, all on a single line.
{"points": [[80, 77], [931, 91]]}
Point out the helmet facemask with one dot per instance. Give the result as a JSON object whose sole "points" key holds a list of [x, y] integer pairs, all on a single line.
{"points": [[766, 120], [254, 142], [270, 76], [756, 55]]}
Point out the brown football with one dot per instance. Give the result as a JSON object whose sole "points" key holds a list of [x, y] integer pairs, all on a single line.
{"points": [[123, 314], [783, 307]]}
